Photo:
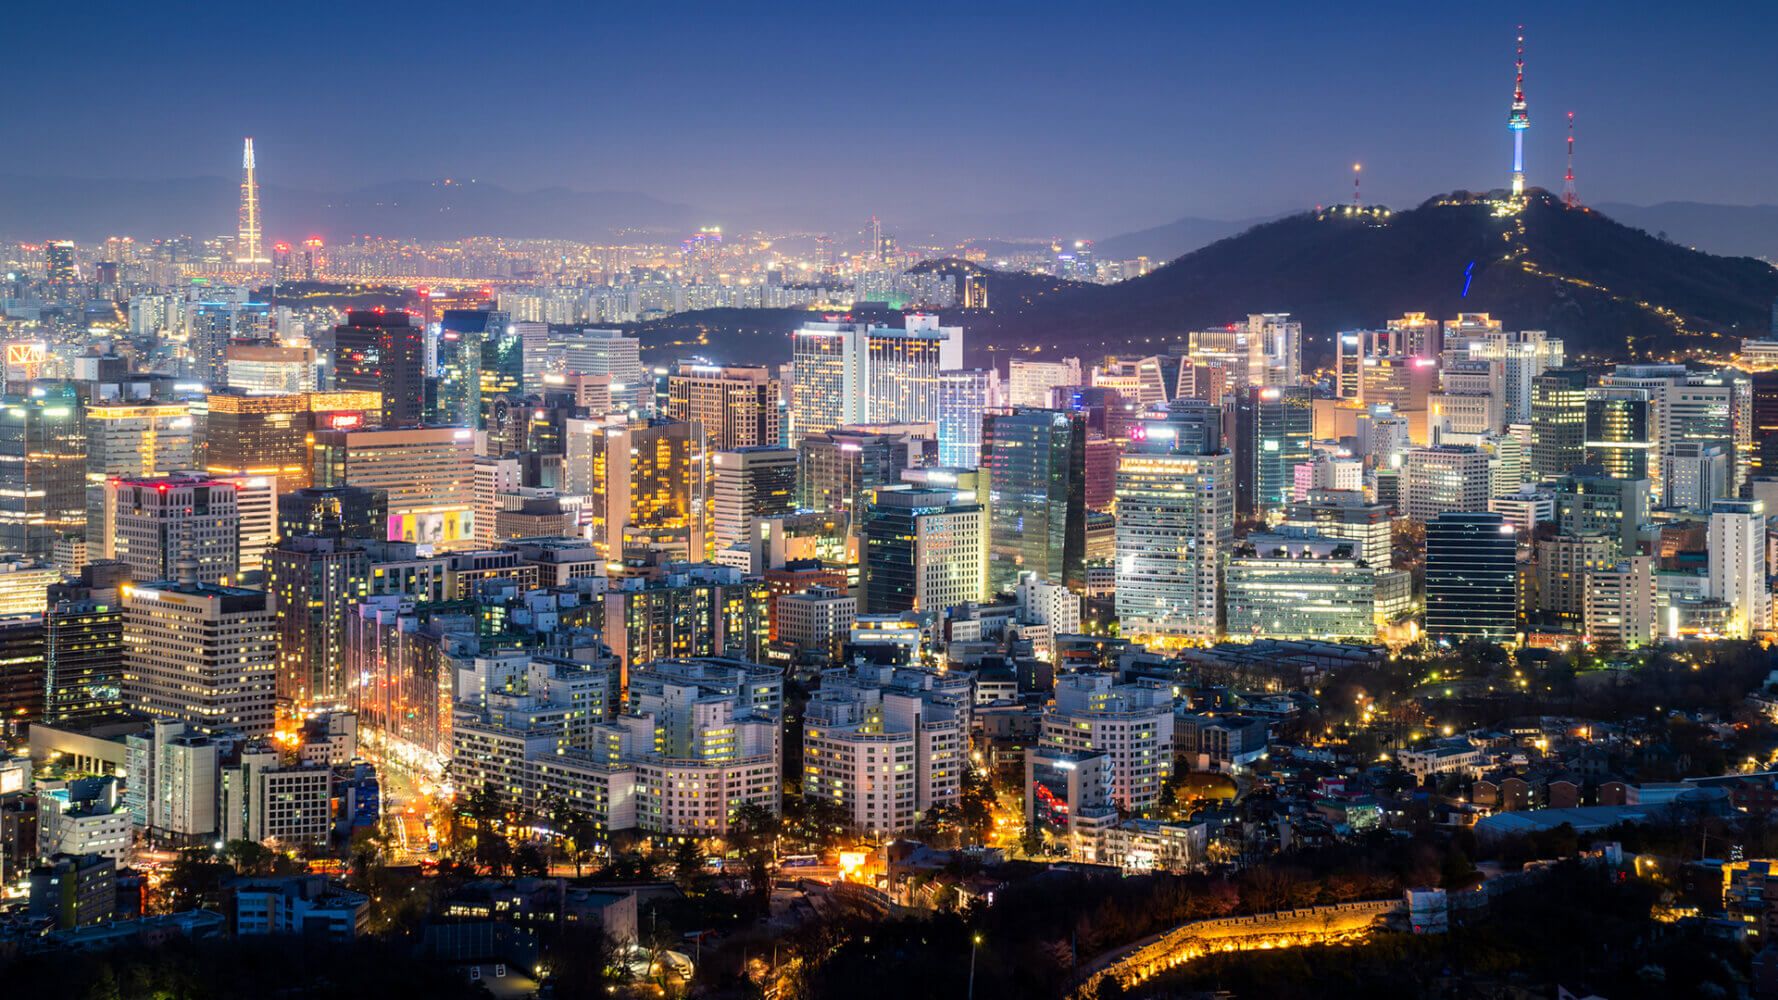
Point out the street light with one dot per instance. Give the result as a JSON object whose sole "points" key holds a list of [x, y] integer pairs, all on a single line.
{"points": [[975, 944]]}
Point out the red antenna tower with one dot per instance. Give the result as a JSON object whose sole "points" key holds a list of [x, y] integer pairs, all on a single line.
{"points": [[1569, 198], [1356, 201]]}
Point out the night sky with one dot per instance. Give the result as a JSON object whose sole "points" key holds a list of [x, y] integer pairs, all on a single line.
{"points": [[1106, 116]]}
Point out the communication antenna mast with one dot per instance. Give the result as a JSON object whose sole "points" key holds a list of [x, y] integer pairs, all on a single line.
{"points": [[1569, 198], [1356, 200]]}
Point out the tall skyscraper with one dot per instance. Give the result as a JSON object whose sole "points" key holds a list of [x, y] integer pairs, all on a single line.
{"points": [[249, 242], [42, 469], [922, 550], [647, 485], [901, 373], [1036, 465], [829, 364], [138, 439], [1274, 426], [456, 396], [608, 352], [1617, 438], [1737, 549], [1471, 577], [964, 396], [1175, 529], [383, 353], [315, 582], [1558, 423], [1450, 477], [260, 436], [83, 644]]}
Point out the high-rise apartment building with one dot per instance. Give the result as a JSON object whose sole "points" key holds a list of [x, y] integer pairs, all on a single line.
{"points": [[882, 749], [1132, 724]]}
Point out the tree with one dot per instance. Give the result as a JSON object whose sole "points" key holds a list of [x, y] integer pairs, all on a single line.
{"points": [[249, 857], [688, 864], [584, 961]]}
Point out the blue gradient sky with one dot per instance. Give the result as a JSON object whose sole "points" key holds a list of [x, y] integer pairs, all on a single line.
{"points": [[1125, 114]]}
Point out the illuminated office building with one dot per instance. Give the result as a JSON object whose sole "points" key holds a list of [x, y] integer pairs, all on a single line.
{"points": [[1273, 429], [159, 523], [964, 396], [201, 654], [270, 368], [133, 440], [1175, 528], [42, 469], [1036, 465], [1029, 381], [829, 392], [315, 582], [1617, 438], [383, 353], [750, 484], [647, 485], [83, 644], [427, 474], [922, 550], [335, 512], [1471, 577], [1558, 411], [609, 352], [737, 406], [1300, 586]]}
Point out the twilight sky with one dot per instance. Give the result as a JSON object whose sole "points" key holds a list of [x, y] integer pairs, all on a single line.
{"points": [[1107, 115]]}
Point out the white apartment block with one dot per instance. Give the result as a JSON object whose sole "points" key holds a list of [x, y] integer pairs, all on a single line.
{"points": [[1130, 723]]}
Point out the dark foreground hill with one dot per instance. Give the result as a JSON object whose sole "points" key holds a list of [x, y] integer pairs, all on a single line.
{"points": [[1604, 287]]}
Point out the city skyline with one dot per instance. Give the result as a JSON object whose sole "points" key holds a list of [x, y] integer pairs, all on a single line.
{"points": [[1023, 135]]}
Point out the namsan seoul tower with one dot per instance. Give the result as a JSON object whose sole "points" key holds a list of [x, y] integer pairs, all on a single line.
{"points": [[249, 246], [1518, 119]]}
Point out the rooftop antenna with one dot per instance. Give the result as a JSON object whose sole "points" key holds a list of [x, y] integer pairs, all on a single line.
{"points": [[1569, 198]]}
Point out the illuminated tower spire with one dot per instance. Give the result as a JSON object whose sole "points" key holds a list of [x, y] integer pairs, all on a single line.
{"points": [[249, 247], [1569, 198], [1518, 119]]}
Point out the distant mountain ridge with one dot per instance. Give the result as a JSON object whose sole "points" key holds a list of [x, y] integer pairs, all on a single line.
{"points": [[87, 209], [1745, 230]]}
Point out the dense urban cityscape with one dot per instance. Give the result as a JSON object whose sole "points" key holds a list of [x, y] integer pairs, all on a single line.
{"points": [[779, 612]]}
